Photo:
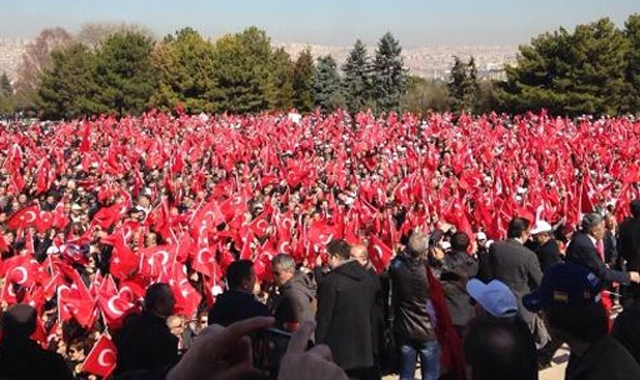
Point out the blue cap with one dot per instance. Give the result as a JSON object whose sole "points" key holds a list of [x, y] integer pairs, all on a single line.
{"points": [[565, 284]]}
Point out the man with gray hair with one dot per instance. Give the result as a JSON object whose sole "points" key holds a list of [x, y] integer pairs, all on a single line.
{"points": [[296, 301], [587, 249], [414, 324]]}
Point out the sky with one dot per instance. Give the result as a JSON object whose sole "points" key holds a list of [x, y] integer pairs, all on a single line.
{"points": [[331, 22]]}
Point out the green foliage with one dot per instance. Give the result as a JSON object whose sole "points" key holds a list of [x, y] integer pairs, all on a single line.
{"points": [[125, 75], [463, 85], [279, 90], [7, 105], [242, 65], [389, 74], [68, 89], [185, 67], [569, 73], [425, 96], [327, 86], [303, 82], [632, 74], [357, 78]]}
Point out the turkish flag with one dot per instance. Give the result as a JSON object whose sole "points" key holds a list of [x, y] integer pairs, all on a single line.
{"points": [[157, 260], [101, 360], [379, 254], [23, 218]]}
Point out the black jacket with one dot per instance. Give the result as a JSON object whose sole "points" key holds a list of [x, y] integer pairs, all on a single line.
{"points": [[235, 305], [516, 266], [458, 301], [346, 298], [626, 329], [548, 254], [410, 295], [295, 303], [25, 360], [145, 343], [606, 359], [582, 251], [629, 243]]}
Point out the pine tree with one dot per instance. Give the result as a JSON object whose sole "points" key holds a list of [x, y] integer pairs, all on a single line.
{"points": [[457, 84], [472, 88], [390, 75], [6, 95], [357, 78], [632, 74], [327, 86], [68, 90], [303, 82], [126, 77], [5, 86], [185, 66]]}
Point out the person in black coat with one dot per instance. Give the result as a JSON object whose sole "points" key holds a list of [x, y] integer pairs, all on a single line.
{"points": [[413, 321], [20, 357], [629, 243], [582, 250], [238, 303], [145, 343], [548, 251], [459, 265], [346, 299], [515, 265]]}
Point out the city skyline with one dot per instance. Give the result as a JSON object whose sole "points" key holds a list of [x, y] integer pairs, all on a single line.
{"points": [[330, 22]]}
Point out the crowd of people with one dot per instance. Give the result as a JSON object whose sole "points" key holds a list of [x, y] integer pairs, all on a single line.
{"points": [[149, 247]]}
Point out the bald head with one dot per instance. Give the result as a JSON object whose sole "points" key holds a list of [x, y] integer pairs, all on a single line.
{"points": [[360, 253], [19, 321]]}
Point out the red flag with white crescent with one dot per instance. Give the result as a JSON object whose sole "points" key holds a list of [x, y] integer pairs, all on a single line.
{"points": [[101, 360]]}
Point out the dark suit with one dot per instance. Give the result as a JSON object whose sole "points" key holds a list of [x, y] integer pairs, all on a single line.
{"points": [[516, 266], [145, 343], [548, 254], [25, 359], [583, 251], [629, 243], [610, 242], [346, 306]]}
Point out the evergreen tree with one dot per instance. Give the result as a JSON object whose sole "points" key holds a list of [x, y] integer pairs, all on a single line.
{"points": [[390, 75], [126, 77], [5, 85], [472, 88], [68, 89], [303, 82], [327, 86], [279, 90], [458, 85], [632, 74], [6, 95], [186, 73], [242, 70], [569, 73], [357, 78]]}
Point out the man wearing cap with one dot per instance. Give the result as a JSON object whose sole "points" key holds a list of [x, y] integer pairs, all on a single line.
{"points": [[629, 242], [548, 251], [569, 298], [22, 358]]}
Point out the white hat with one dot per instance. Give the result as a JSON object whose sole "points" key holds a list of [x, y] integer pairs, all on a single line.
{"points": [[541, 226], [481, 236], [495, 297]]}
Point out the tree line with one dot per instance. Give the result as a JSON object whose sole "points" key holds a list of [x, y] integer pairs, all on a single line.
{"points": [[123, 69]]}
